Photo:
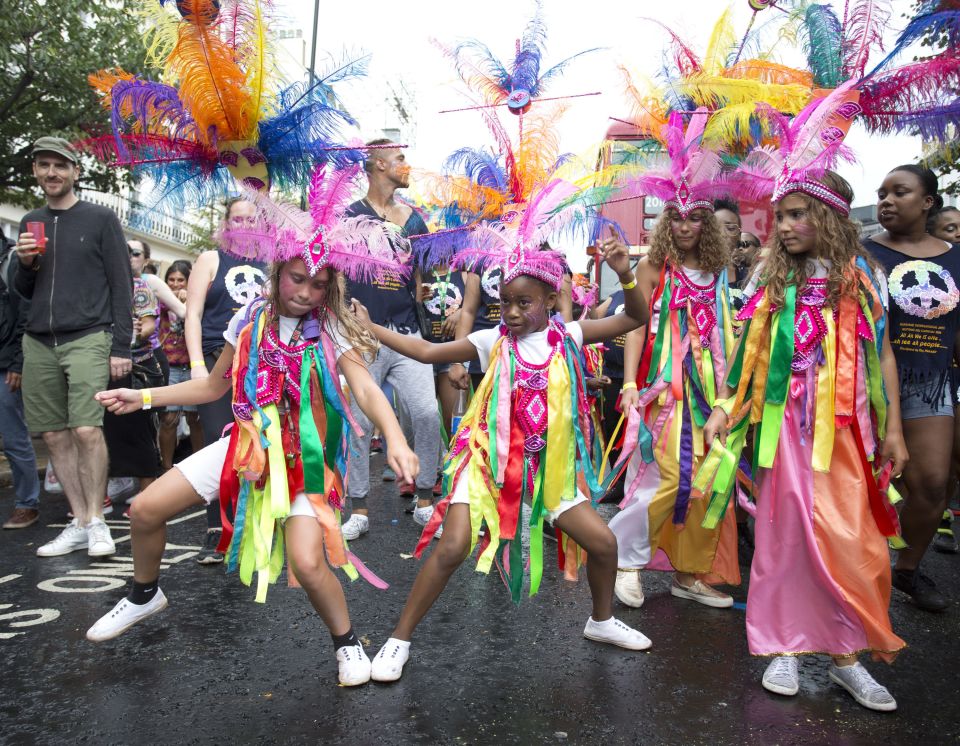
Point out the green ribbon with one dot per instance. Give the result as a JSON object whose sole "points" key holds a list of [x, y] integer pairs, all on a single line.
{"points": [[658, 341], [311, 449]]}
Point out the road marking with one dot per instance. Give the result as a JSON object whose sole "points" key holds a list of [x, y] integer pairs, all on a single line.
{"points": [[8, 578]]}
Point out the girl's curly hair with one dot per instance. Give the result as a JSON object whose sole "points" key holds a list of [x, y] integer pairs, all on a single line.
{"points": [[838, 240], [334, 312], [713, 249]]}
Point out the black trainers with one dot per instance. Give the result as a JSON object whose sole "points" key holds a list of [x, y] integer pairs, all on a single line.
{"points": [[209, 555], [921, 589], [945, 541]]}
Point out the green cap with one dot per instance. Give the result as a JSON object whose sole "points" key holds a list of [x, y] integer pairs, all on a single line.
{"points": [[56, 145]]}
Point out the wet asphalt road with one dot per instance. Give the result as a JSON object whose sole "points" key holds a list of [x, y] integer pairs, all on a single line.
{"points": [[216, 667]]}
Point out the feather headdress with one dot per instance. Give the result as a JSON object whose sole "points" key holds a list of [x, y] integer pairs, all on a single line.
{"points": [[362, 248], [810, 143], [220, 111], [518, 245], [688, 176]]}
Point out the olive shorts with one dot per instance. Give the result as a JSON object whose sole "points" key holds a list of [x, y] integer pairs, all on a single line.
{"points": [[59, 382]]}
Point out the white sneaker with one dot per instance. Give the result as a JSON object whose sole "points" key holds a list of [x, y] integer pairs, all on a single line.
{"points": [[782, 676], [388, 663], [356, 524], [354, 665], [701, 593], [863, 687], [123, 616], [628, 588], [72, 538], [100, 542], [422, 517], [615, 632]]}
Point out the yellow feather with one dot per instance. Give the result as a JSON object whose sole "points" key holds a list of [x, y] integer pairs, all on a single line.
{"points": [[721, 44], [256, 58], [160, 36]]}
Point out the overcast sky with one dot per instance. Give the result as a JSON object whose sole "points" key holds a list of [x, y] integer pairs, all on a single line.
{"points": [[399, 38]]}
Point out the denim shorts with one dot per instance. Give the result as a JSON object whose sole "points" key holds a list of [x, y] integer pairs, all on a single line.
{"points": [[923, 400], [179, 374]]}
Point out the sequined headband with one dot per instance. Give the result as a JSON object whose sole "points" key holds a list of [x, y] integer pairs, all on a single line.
{"points": [[684, 203], [539, 265], [812, 189]]}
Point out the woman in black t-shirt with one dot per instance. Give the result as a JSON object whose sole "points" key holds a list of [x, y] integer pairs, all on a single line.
{"points": [[923, 273]]}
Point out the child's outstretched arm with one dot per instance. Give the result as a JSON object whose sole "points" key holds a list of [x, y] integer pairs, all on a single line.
{"points": [[416, 348], [195, 391], [894, 447], [635, 311], [375, 406]]}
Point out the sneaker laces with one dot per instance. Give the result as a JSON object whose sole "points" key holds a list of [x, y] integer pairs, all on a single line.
{"points": [[99, 531], [211, 541], [781, 669], [868, 687]]}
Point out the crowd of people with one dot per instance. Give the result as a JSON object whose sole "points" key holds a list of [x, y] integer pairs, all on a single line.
{"points": [[111, 365]]}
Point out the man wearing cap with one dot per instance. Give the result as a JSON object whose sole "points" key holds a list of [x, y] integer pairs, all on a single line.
{"points": [[78, 335]]}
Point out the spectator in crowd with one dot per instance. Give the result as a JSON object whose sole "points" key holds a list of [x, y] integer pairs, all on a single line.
{"points": [[78, 335], [174, 346]]}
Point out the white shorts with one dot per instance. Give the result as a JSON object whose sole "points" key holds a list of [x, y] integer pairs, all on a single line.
{"points": [[461, 496], [203, 468]]}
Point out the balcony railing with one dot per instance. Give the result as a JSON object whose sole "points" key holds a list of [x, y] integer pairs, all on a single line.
{"points": [[150, 221]]}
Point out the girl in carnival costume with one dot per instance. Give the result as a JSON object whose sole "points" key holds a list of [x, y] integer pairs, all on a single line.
{"points": [[815, 374], [281, 468], [679, 366], [529, 411]]}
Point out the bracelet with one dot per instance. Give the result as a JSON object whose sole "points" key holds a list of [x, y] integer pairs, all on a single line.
{"points": [[147, 398], [629, 385], [629, 285], [196, 364]]}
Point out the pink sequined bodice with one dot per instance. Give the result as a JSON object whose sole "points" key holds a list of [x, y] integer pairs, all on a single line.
{"points": [[702, 301], [809, 326]]}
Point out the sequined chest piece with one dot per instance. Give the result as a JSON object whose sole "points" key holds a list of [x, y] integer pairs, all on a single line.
{"points": [[809, 326], [278, 371], [702, 302], [531, 404]]}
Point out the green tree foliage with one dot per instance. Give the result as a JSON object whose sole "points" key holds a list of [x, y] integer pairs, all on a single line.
{"points": [[47, 49], [943, 158]]}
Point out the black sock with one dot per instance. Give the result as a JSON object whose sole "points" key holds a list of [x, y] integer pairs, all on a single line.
{"points": [[142, 593], [345, 640], [425, 493]]}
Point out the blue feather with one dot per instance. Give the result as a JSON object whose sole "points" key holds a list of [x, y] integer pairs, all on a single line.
{"points": [[928, 23]]}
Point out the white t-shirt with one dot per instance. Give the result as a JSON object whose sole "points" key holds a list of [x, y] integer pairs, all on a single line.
{"points": [[287, 326], [533, 348]]}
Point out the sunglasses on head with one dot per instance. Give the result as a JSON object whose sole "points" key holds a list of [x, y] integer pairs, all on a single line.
{"points": [[748, 245], [136, 252]]}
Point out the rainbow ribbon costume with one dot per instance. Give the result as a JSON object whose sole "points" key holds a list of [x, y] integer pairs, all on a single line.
{"points": [[682, 365], [291, 427], [523, 417], [808, 379]]}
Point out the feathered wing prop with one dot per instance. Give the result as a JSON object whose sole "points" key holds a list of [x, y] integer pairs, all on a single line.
{"points": [[220, 108], [515, 85]]}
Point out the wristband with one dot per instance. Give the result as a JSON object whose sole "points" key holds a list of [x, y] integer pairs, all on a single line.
{"points": [[196, 364], [629, 285], [147, 398], [628, 386]]}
